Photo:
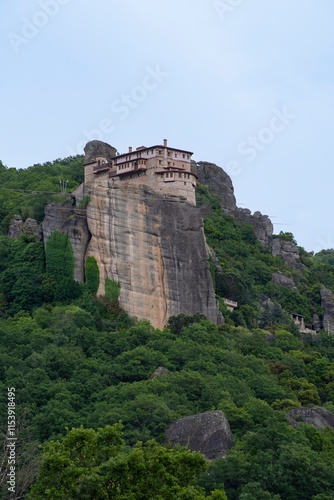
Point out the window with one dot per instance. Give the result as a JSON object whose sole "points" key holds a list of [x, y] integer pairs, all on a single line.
{"points": [[183, 156], [180, 175], [188, 157], [160, 162]]}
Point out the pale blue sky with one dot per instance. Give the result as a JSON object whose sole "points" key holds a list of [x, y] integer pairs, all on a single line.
{"points": [[246, 84]]}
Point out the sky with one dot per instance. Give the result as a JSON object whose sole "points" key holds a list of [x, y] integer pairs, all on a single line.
{"points": [[245, 84]]}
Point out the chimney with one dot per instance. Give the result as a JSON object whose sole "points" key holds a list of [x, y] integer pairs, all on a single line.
{"points": [[130, 149], [165, 143]]}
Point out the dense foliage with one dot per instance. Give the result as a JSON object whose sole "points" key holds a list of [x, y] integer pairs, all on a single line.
{"points": [[246, 269], [80, 365], [92, 275], [75, 368], [26, 191], [59, 256], [96, 465]]}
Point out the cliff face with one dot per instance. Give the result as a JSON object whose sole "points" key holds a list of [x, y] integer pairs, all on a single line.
{"points": [[218, 181], [155, 247], [327, 303], [70, 221]]}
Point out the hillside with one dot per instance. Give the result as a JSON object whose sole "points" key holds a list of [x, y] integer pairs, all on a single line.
{"points": [[77, 360]]}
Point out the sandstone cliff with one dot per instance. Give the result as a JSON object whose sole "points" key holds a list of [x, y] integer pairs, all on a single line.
{"points": [[155, 247]]}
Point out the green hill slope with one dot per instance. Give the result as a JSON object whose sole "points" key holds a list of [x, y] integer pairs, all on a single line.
{"points": [[78, 361]]}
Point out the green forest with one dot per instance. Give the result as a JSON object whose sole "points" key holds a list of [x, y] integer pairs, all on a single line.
{"points": [[90, 423]]}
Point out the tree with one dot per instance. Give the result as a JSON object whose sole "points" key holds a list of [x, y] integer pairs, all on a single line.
{"points": [[96, 465], [177, 323], [92, 275], [59, 256]]}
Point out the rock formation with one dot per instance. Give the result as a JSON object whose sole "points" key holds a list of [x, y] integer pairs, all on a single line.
{"points": [[154, 246], [207, 432], [159, 372], [262, 225], [327, 303], [317, 416], [217, 180], [220, 183], [29, 227], [283, 280], [288, 251], [151, 243], [93, 149], [70, 221], [316, 322]]}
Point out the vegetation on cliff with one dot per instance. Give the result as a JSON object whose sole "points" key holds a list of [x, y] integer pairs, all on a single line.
{"points": [[26, 191], [81, 365]]}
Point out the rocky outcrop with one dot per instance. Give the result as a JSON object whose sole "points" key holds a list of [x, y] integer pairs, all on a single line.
{"points": [[217, 180], [159, 372], [316, 322], [283, 280], [327, 303], [288, 251], [207, 432], [72, 222], [93, 149], [262, 225], [29, 227], [154, 246], [317, 416]]}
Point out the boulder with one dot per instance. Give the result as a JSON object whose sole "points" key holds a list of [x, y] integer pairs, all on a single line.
{"points": [[159, 372], [283, 280], [207, 432], [317, 416]]}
